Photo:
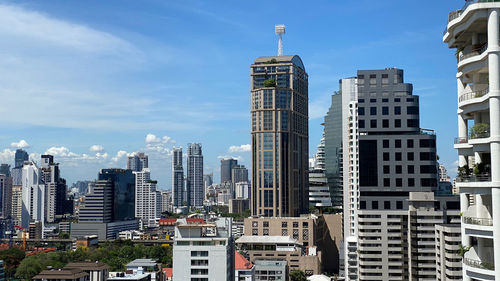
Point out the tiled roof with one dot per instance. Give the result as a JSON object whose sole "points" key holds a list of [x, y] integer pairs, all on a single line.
{"points": [[240, 262], [168, 271]]}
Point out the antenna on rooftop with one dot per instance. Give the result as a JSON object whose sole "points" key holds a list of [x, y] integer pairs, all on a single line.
{"points": [[280, 30]]}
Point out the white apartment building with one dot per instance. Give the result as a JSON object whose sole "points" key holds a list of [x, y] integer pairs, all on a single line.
{"points": [[204, 252], [33, 195], [147, 199], [474, 32], [448, 261]]}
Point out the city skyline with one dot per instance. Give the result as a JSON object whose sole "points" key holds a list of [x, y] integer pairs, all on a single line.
{"points": [[85, 132]]}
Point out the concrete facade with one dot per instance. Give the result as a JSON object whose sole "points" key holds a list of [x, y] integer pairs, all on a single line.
{"points": [[448, 261]]}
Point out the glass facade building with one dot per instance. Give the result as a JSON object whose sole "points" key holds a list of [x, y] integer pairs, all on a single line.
{"points": [[123, 192]]}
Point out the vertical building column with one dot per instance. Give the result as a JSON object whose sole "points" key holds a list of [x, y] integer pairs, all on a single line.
{"points": [[494, 80]]}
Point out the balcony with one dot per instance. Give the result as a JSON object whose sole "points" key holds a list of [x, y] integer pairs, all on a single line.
{"points": [[477, 221], [473, 95], [463, 140], [474, 178], [479, 264], [476, 51]]}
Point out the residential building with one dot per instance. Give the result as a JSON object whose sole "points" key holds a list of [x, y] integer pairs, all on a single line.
{"points": [[97, 204], [73, 274], [239, 206], [97, 271], [226, 167], [443, 174], [194, 181], [20, 157], [17, 203], [242, 190], [448, 260], [280, 137], [319, 190], [147, 199], [474, 32], [55, 189], [270, 270], [123, 192], [244, 270], [178, 199], [137, 162], [166, 200], [149, 266], [5, 196], [33, 195], [204, 251], [239, 174]]}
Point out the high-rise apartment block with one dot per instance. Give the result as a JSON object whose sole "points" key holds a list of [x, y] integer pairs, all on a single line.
{"points": [[55, 189], [474, 31], [33, 195], [194, 181], [177, 178], [319, 191], [226, 167], [280, 137], [137, 162], [147, 199], [239, 174]]}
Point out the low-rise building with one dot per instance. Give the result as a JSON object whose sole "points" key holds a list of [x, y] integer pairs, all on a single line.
{"points": [[73, 274], [147, 266], [121, 276], [97, 271], [270, 270], [243, 269]]}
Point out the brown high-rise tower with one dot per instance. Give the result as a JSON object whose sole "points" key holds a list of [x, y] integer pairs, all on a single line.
{"points": [[280, 137]]}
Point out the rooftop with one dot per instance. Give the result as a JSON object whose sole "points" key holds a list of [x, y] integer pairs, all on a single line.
{"points": [[168, 271], [267, 240], [281, 59], [142, 262], [130, 277], [240, 262], [61, 274], [87, 265]]}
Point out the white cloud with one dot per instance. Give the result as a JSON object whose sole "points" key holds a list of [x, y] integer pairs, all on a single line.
{"points": [[239, 158], [7, 156], [159, 145], [20, 144], [119, 155], [151, 138], [96, 148], [240, 148], [60, 151]]}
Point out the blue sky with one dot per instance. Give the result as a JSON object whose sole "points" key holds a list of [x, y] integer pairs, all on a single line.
{"points": [[93, 81]]}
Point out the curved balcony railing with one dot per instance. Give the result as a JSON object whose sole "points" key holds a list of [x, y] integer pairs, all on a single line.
{"points": [[473, 95], [474, 178], [461, 140], [475, 52], [477, 221], [479, 264]]}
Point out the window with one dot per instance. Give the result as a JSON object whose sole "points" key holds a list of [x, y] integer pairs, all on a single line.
{"points": [[397, 143], [387, 205], [411, 182], [428, 182], [399, 182], [397, 100], [411, 169], [305, 224], [361, 111], [397, 110], [397, 123], [399, 205], [373, 123], [265, 224], [361, 124], [413, 110], [255, 224], [255, 232], [385, 110], [295, 224], [387, 169], [412, 123], [373, 110], [428, 143], [409, 99], [265, 232], [361, 100], [410, 156], [427, 156], [399, 169], [385, 143], [385, 123], [375, 205], [386, 156], [409, 143], [428, 169], [398, 156], [284, 224], [385, 100], [387, 182], [362, 205]]}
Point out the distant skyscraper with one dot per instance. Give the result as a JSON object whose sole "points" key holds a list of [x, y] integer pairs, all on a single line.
{"points": [[5, 196], [55, 188], [97, 205], [208, 180], [20, 157], [280, 148], [194, 183], [123, 192], [33, 195], [226, 166], [5, 169], [177, 178], [239, 174], [147, 199], [137, 162]]}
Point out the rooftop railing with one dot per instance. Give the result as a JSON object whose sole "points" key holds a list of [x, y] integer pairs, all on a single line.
{"points": [[474, 178], [455, 14], [479, 264], [477, 221], [473, 95], [461, 140], [474, 52]]}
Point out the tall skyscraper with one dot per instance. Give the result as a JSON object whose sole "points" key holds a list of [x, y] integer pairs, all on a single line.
{"points": [[55, 188], [97, 205], [385, 156], [280, 136], [137, 162], [123, 192], [474, 32], [239, 174], [147, 199], [5, 169], [178, 178], [5, 196], [319, 191], [194, 182], [20, 157], [226, 166], [33, 195]]}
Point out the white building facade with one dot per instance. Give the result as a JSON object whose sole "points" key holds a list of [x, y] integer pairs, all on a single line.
{"points": [[33, 195], [147, 199]]}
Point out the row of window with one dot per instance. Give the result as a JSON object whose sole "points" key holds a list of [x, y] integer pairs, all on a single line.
{"points": [[283, 224], [398, 156], [387, 100], [387, 205], [412, 110], [410, 123], [424, 169]]}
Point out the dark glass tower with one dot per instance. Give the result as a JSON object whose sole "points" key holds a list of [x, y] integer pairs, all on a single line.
{"points": [[194, 183], [226, 166], [20, 157], [177, 178], [123, 192], [280, 152]]}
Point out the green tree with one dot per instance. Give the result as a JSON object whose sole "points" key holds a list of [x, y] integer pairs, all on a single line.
{"points": [[12, 258], [298, 275], [270, 83], [28, 268]]}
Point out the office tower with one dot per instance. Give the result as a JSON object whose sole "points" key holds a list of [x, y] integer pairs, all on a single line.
{"points": [[33, 195], [239, 174], [178, 199], [55, 188], [194, 182], [5, 196], [226, 167], [123, 192], [319, 190], [5, 169], [204, 251], [474, 32], [147, 199], [97, 205], [279, 114], [385, 156], [137, 162], [20, 157]]}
